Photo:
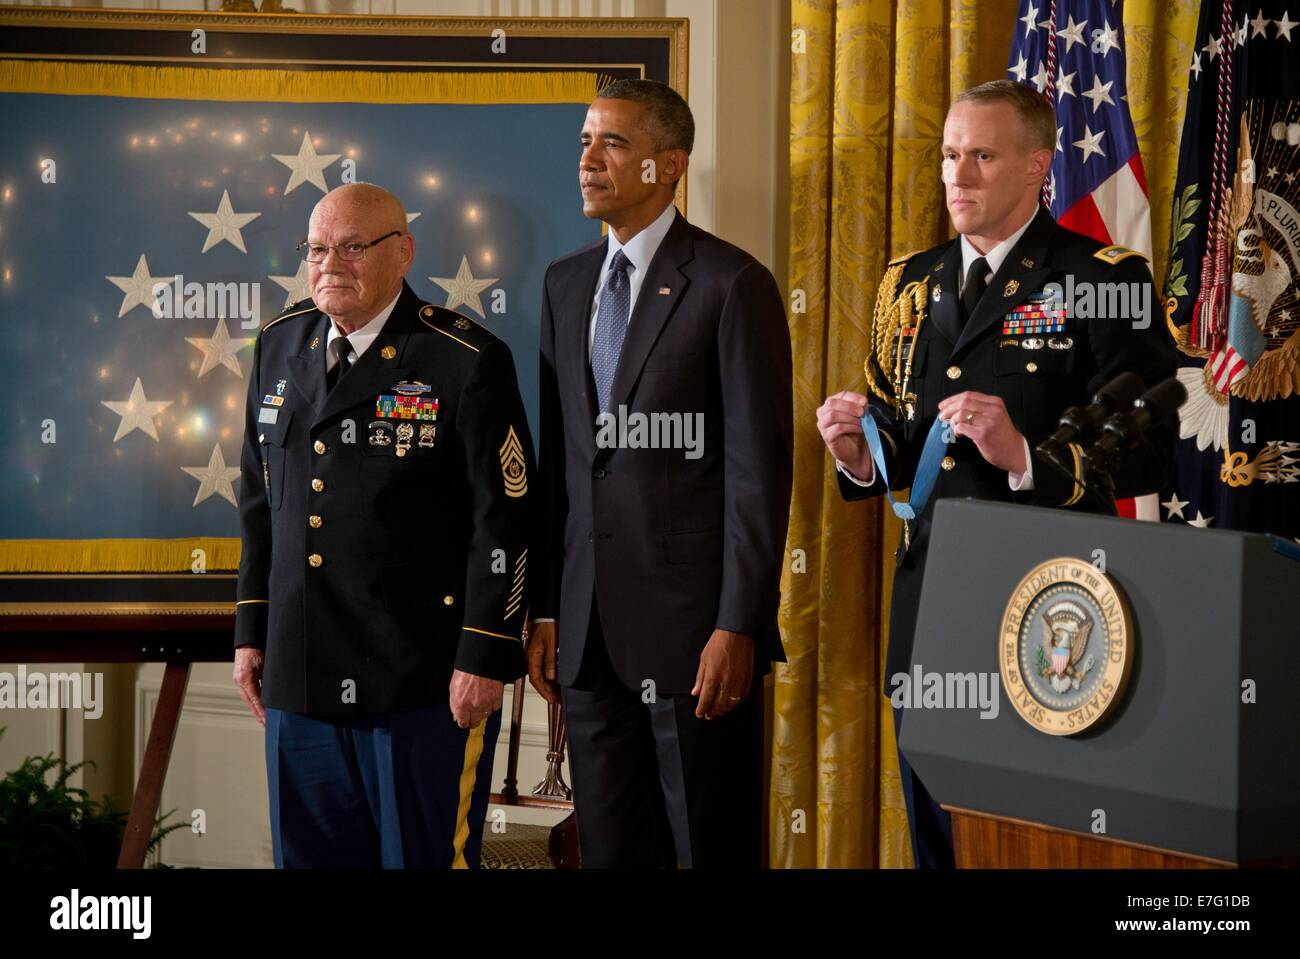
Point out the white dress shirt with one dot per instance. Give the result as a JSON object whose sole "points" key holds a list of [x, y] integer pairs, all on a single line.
{"points": [[362, 338], [640, 251], [994, 258]]}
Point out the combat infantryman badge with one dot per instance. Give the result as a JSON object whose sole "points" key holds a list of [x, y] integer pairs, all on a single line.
{"points": [[1066, 646]]}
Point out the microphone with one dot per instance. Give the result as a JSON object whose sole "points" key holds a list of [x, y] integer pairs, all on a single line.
{"points": [[1125, 429], [1080, 421]]}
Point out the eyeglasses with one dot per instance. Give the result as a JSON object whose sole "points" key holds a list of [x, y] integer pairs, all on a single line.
{"points": [[316, 252]]}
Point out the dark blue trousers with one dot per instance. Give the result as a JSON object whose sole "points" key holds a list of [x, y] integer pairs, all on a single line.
{"points": [[398, 790], [929, 825]]}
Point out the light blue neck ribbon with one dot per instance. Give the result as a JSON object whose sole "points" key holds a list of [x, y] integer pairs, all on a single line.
{"points": [[927, 470]]}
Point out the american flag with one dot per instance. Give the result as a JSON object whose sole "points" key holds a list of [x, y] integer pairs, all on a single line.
{"points": [[1072, 51]]}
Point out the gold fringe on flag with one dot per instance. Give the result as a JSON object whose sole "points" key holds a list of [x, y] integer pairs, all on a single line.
{"points": [[302, 86], [118, 555]]}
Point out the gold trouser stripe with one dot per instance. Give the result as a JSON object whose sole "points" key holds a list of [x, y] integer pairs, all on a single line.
{"points": [[244, 602], [468, 774], [485, 632]]}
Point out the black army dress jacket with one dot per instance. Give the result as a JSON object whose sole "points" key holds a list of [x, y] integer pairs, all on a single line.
{"points": [[384, 522], [1037, 376]]}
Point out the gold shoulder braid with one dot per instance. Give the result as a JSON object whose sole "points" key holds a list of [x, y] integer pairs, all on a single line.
{"points": [[898, 318]]}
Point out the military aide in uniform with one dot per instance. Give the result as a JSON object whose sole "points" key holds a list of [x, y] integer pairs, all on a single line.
{"points": [[971, 332], [383, 507]]}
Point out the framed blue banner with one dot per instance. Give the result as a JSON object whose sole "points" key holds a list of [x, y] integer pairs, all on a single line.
{"points": [[160, 169]]}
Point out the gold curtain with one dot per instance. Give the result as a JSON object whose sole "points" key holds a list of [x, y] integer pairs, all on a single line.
{"points": [[870, 82]]}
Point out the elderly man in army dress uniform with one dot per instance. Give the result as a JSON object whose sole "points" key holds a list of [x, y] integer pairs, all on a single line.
{"points": [[383, 500], [975, 331]]}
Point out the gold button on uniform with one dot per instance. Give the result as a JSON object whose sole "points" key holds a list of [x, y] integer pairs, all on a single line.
{"points": [[447, 600], [315, 521], [318, 485], [948, 462], [388, 352], [1031, 367], [954, 372], [318, 446], [315, 559]]}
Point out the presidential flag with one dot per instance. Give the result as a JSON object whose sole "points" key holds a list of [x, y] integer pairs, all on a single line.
{"points": [[1232, 293]]}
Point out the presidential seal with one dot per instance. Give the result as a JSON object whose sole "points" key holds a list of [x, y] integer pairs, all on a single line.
{"points": [[1066, 646]]}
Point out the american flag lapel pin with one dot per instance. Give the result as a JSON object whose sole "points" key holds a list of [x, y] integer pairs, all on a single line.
{"points": [[664, 290]]}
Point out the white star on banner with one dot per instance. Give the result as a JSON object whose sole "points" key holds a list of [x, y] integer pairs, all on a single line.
{"points": [[307, 165], [219, 350], [1175, 506], [1196, 65], [1040, 78], [1064, 84], [1285, 25], [463, 288], [225, 224], [1212, 48], [1239, 36], [1259, 26], [1091, 143], [138, 287], [1020, 70], [1028, 20], [1109, 39], [1100, 92], [1059, 148], [410, 218], [137, 412], [298, 285], [1073, 33], [1202, 521], [216, 477]]}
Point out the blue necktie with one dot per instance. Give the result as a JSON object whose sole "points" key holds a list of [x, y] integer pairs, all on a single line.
{"points": [[611, 328]]}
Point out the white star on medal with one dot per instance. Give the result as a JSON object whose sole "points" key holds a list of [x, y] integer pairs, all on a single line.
{"points": [[463, 288], [307, 165], [138, 287], [137, 412], [216, 477], [298, 285], [225, 224], [219, 350]]}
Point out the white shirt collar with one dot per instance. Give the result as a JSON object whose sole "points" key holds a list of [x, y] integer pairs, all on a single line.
{"points": [[993, 257], [362, 338], [641, 249]]}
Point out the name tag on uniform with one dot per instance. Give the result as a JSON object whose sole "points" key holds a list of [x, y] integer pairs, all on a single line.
{"points": [[268, 414]]}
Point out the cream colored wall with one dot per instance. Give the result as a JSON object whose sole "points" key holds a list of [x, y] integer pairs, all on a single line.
{"points": [[738, 78]]}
